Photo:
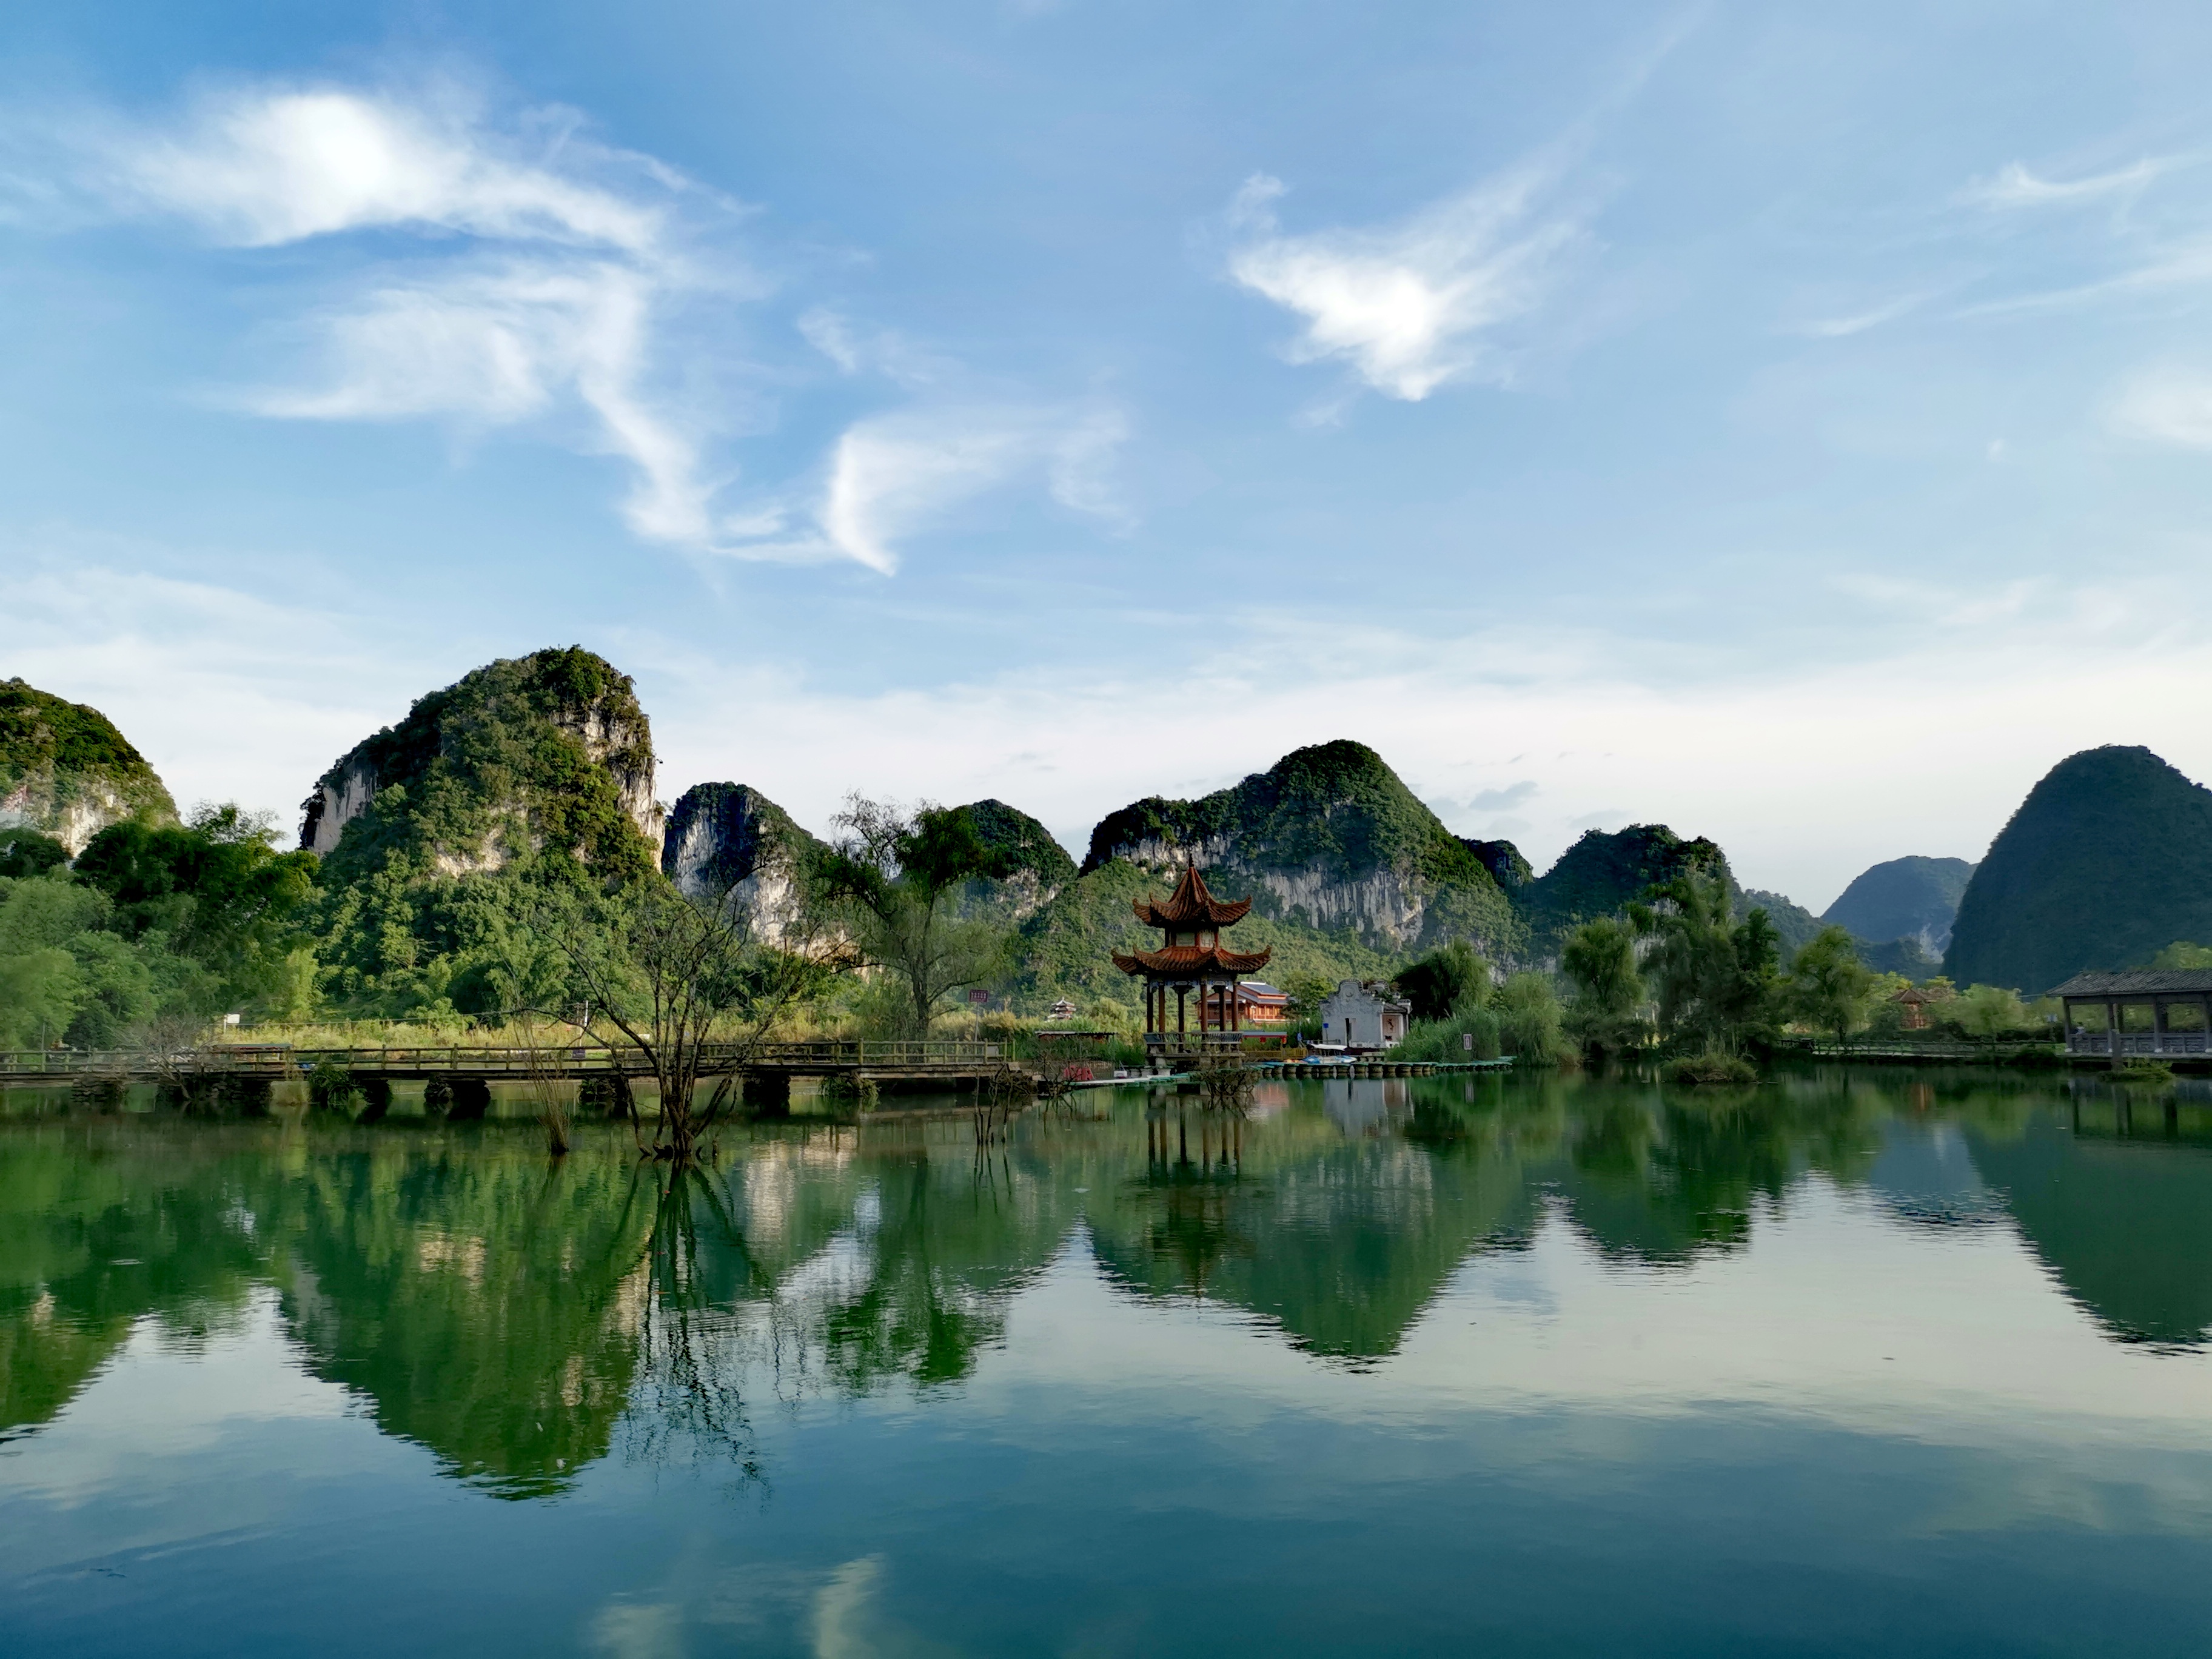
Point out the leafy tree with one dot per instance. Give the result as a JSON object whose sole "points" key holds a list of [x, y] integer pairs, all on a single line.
{"points": [[1987, 1011], [214, 890], [898, 878], [1599, 960], [1715, 976], [2182, 955], [1436, 984], [1829, 988], [28, 852], [1529, 1019]]}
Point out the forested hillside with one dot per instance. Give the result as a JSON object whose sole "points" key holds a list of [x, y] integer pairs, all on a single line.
{"points": [[2107, 861]]}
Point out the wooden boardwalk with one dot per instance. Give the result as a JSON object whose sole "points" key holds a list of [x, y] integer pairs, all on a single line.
{"points": [[952, 1064]]}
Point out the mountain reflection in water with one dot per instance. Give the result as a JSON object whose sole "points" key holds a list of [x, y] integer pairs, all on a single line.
{"points": [[523, 1318]]}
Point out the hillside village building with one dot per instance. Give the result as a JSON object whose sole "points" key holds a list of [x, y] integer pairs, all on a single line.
{"points": [[1363, 1016]]}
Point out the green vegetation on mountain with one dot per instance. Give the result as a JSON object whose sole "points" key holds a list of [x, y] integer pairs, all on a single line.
{"points": [[2108, 861], [1603, 873], [1065, 948], [1329, 835], [1915, 897], [529, 775], [155, 921], [1021, 845], [67, 771], [1794, 924]]}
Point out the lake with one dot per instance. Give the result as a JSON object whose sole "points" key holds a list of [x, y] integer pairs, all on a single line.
{"points": [[1856, 1362]]}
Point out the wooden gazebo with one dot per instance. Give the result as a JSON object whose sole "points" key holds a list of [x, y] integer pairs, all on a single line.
{"points": [[1191, 964], [2156, 1012]]}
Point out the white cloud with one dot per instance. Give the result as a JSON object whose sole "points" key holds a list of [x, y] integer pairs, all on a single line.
{"points": [[2014, 186], [536, 274], [892, 476], [2166, 405], [261, 168], [1412, 305]]}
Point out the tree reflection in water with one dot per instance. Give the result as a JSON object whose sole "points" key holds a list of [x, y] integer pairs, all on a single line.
{"points": [[521, 1318]]}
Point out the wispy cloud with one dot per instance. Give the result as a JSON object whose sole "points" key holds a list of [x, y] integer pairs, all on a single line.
{"points": [[509, 269], [2014, 186], [2165, 405], [890, 476], [1858, 322], [1412, 306]]}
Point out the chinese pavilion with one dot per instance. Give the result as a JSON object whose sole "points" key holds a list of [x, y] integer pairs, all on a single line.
{"points": [[1190, 961]]}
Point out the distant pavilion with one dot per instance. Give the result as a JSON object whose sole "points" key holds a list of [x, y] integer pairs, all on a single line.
{"points": [[1191, 963]]}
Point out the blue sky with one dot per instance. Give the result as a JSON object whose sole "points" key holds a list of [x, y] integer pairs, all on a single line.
{"points": [[1791, 424]]}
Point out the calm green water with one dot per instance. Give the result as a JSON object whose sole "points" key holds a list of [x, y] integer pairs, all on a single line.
{"points": [[1866, 1364]]}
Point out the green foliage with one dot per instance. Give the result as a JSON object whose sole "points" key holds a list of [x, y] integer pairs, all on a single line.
{"points": [[1335, 809], [1828, 988], [509, 790], [1437, 982], [57, 752], [2181, 955], [2108, 858], [1019, 845], [1065, 948], [1599, 960], [898, 878], [1987, 1011], [1530, 1021], [1713, 1066], [28, 852], [179, 920], [1603, 874], [1794, 924], [1445, 1038], [1715, 977]]}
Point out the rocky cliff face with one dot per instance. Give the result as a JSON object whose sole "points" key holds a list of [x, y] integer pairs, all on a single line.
{"points": [[2107, 861], [724, 838], [547, 751], [66, 772], [1039, 867], [1330, 837]]}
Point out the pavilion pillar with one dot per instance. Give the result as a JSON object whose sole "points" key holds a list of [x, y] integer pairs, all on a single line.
{"points": [[1236, 1011], [1180, 1028]]}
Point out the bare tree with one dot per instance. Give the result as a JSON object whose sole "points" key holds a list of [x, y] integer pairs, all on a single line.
{"points": [[691, 993]]}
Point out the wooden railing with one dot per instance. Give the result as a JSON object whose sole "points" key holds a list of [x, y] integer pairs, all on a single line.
{"points": [[276, 1061]]}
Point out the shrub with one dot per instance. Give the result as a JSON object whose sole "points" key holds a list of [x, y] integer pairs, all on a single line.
{"points": [[1712, 1067]]}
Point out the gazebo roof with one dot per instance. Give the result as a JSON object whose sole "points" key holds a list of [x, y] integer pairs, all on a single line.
{"points": [[1190, 902], [1192, 959], [2159, 981]]}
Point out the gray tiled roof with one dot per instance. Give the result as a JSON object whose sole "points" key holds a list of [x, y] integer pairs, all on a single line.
{"points": [[2164, 982]]}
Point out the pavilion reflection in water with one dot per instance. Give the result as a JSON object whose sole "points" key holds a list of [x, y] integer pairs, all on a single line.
{"points": [[494, 1308]]}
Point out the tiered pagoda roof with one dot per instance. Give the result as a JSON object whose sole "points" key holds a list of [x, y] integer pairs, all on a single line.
{"points": [[1191, 904], [1189, 909]]}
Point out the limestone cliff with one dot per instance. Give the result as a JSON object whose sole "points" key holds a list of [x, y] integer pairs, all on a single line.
{"points": [[66, 772], [728, 839], [547, 751], [1329, 837]]}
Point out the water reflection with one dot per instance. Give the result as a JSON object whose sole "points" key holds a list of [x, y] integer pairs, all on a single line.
{"points": [[524, 1319]]}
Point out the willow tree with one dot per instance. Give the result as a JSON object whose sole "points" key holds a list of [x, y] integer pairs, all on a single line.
{"points": [[899, 879], [1599, 960]]}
